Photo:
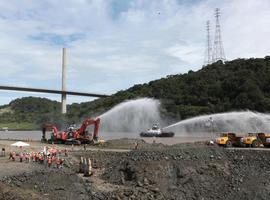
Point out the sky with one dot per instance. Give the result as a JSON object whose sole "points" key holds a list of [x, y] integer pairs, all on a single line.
{"points": [[114, 44]]}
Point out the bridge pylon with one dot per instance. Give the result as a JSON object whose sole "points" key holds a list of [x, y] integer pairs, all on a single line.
{"points": [[64, 74]]}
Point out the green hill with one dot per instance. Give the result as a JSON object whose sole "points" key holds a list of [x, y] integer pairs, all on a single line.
{"points": [[236, 85], [29, 113]]}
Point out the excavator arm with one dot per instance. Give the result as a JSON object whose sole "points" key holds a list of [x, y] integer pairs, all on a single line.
{"points": [[51, 127], [97, 123], [87, 123]]}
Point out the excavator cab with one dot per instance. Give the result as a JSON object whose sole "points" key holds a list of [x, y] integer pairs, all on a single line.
{"points": [[70, 131]]}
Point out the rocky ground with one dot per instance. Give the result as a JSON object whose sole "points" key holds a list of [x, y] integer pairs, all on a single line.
{"points": [[154, 171]]}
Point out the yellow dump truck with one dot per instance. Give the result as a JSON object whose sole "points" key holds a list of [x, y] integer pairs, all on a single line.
{"points": [[265, 139], [252, 140], [257, 139], [229, 140]]}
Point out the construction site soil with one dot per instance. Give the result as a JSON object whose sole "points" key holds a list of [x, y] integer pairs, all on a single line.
{"points": [[153, 171]]}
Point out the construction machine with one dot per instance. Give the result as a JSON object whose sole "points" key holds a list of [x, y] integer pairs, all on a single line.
{"points": [[265, 139], [72, 135], [56, 137], [257, 139], [252, 140], [229, 140], [82, 136]]}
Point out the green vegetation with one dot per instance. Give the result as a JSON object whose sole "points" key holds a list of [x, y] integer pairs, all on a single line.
{"points": [[19, 126], [236, 85], [5, 110], [29, 113]]}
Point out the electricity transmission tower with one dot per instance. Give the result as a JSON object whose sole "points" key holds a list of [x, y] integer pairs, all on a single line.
{"points": [[218, 51], [208, 51]]}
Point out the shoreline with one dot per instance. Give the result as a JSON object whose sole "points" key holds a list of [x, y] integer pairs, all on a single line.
{"points": [[18, 129]]}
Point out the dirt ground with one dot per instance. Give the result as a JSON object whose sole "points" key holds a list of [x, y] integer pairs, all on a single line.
{"points": [[153, 171]]}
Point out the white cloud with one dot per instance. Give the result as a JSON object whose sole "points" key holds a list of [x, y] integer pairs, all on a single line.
{"points": [[112, 45]]}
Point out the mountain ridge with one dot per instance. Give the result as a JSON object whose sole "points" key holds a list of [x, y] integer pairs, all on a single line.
{"points": [[240, 84]]}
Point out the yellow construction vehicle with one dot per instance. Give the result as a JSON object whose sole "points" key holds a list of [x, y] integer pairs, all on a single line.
{"points": [[265, 138], [229, 140], [253, 140], [257, 139]]}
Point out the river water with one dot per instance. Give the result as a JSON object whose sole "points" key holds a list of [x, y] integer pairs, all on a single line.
{"points": [[36, 136]]}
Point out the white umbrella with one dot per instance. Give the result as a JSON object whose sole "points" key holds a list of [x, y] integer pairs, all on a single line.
{"points": [[20, 144]]}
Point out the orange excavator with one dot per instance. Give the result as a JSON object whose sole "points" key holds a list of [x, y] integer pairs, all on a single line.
{"points": [[56, 137], [81, 135], [71, 136]]}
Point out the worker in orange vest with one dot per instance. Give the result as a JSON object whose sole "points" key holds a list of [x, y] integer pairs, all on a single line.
{"points": [[21, 156], [27, 157], [49, 162], [32, 156], [41, 159]]}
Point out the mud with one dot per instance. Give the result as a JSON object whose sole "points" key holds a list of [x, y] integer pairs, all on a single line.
{"points": [[153, 171]]}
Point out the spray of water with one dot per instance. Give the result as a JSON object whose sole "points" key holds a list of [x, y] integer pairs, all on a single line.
{"points": [[238, 122], [131, 116]]}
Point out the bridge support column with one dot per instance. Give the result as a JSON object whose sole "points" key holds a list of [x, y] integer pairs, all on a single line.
{"points": [[64, 73], [64, 103]]}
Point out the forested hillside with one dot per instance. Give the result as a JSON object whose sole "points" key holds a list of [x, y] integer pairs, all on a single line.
{"points": [[236, 85]]}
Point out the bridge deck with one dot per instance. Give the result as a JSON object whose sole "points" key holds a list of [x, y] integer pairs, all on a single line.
{"points": [[41, 90]]}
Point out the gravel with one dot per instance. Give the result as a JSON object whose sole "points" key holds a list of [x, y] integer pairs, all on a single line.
{"points": [[186, 171]]}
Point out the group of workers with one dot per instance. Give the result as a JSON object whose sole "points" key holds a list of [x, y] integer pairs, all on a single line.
{"points": [[47, 157]]}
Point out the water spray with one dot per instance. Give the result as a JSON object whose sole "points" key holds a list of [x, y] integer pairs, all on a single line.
{"points": [[238, 122], [131, 116]]}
